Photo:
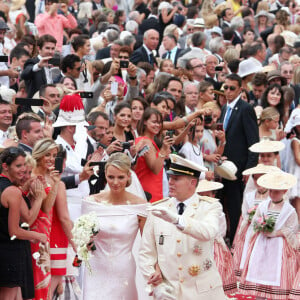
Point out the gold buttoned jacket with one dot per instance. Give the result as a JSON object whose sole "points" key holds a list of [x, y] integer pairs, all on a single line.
{"points": [[185, 257]]}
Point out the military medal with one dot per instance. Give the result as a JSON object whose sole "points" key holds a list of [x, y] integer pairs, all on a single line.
{"points": [[161, 240], [194, 270]]}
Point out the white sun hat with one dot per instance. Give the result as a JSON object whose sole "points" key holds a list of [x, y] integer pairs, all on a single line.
{"points": [[277, 181], [227, 170]]}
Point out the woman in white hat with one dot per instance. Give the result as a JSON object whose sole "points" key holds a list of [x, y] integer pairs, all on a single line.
{"points": [[250, 203], [222, 255], [271, 262]]}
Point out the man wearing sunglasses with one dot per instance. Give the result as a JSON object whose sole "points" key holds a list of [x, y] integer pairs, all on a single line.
{"points": [[70, 66], [241, 130]]}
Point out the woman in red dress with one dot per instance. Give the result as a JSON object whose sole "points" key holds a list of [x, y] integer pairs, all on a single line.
{"points": [[60, 232], [44, 152], [149, 168]]}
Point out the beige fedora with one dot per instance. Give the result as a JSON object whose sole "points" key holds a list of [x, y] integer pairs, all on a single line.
{"points": [[261, 169], [277, 180], [227, 170], [206, 186], [267, 146]]}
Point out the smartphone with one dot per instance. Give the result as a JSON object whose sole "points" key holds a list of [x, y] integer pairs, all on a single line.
{"points": [[218, 68], [86, 94], [114, 88], [170, 133], [124, 64], [54, 61], [58, 164], [219, 126], [101, 145], [29, 101], [4, 58]]}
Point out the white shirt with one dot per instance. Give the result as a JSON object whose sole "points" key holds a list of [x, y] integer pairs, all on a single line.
{"points": [[3, 136], [173, 54], [47, 70], [232, 105], [4, 80]]}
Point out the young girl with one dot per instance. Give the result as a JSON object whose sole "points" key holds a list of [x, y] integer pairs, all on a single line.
{"points": [[271, 263], [250, 203], [268, 125], [192, 150], [222, 255]]}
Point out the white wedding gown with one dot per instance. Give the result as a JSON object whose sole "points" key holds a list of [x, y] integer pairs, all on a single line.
{"points": [[113, 265]]}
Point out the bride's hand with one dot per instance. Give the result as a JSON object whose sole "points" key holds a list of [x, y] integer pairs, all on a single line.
{"points": [[156, 278]]}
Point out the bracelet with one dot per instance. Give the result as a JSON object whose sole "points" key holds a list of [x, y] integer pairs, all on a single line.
{"points": [[185, 120], [132, 77], [162, 155]]}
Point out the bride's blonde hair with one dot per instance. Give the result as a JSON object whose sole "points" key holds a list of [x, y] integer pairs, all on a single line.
{"points": [[120, 161]]}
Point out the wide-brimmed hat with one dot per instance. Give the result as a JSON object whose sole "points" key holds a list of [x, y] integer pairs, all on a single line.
{"points": [[293, 121], [277, 181], [17, 4], [289, 37], [276, 74], [220, 91], [71, 111], [206, 186], [183, 166], [261, 169], [7, 94], [267, 146], [199, 22], [216, 30], [227, 170], [264, 13], [247, 67]]}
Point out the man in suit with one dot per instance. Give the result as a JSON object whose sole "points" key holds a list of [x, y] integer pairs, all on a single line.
{"points": [[178, 236], [226, 15], [172, 51], [237, 24], [144, 53], [70, 66], [37, 70], [241, 130]]}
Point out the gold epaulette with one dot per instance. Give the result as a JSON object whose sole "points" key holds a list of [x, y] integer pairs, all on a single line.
{"points": [[160, 201], [208, 199]]}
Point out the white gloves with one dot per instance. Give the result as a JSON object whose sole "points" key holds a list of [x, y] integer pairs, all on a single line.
{"points": [[163, 292], [164, 214]]}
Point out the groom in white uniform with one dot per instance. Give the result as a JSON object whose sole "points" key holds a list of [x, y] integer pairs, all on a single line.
{"points": [[178, 236]]}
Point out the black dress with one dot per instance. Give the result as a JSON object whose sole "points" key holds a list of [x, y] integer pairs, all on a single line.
{"points": [[15, 255]]}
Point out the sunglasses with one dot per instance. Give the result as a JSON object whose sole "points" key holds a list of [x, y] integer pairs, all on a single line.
{"points": [[232, 88], [124, 57], [199, 66]]}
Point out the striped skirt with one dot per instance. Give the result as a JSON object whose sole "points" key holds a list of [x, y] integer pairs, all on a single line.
{"points": [[289, 270]]}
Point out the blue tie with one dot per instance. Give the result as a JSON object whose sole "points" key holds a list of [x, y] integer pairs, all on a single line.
{"points": [[151, 59], [228, 114]]}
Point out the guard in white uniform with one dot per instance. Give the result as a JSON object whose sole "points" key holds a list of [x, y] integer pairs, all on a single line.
{"points": [[178, 236]]}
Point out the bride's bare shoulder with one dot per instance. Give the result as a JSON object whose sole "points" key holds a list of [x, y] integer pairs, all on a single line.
{"points": [[101, 197]]}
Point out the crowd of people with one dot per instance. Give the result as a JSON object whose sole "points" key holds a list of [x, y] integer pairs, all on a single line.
{"points": [[176, 122]]}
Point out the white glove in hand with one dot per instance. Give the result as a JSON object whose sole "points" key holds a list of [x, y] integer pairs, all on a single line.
{"points": [[163, 292], [164, 214]]}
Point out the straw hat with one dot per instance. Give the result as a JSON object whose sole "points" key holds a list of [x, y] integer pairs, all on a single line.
{"points": [[289, 37], [227, 170], [206, 186], [267, 146], [71, 111], [199, 22], [247, 67], [277, 181], [261, 169], [276, 74], [264, 13]]}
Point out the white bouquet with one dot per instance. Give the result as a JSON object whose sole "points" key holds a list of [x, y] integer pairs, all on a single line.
{"points": [[85, 227]]}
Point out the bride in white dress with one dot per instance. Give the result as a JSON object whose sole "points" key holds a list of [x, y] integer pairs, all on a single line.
{"points": [[121, 215]]}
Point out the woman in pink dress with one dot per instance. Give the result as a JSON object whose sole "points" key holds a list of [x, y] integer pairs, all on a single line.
{"points": [[44, 153]]}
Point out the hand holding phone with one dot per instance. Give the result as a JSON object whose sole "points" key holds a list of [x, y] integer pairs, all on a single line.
{"points": [[58, 166]]}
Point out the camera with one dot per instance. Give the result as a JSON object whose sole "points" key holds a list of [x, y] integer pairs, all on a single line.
{"points": [[125, 145], [218, 68], [170, 133], [124, 64], [207, 119]]}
